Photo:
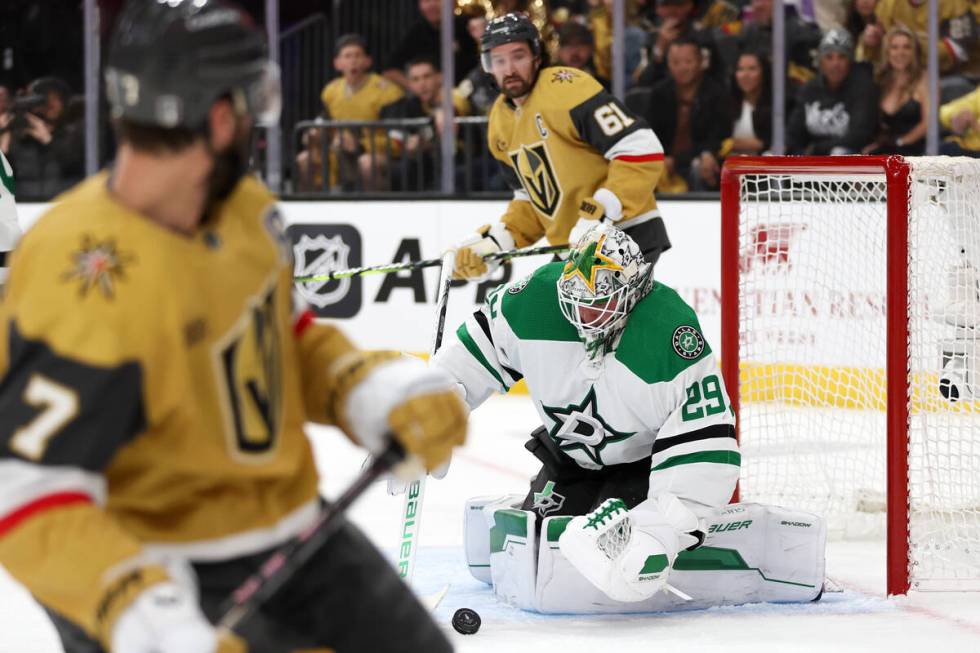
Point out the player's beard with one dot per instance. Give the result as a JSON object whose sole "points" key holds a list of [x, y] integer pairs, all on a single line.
{"points": [[229, 167], [515, 91]]}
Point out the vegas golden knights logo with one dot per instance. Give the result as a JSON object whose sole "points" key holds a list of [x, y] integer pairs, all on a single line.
{"points": [[537, 175], [249, 363]]}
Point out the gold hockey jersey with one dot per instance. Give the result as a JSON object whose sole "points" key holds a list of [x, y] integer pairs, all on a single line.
{"points": [[566, 141], [153, 390], [363, 104]]}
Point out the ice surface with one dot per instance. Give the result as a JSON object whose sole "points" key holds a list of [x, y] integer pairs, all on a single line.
{"points": [[494, 461]]}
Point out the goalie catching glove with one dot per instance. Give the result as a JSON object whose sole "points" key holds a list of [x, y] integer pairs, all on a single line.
{"points": [[628, 554], [381, 393], [488, 239]]}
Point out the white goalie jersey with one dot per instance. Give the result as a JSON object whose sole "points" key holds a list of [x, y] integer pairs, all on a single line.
{"points": [[9, 227], [659, 393]]}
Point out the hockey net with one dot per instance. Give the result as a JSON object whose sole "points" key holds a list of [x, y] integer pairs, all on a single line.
{"points": [[849, 308]]}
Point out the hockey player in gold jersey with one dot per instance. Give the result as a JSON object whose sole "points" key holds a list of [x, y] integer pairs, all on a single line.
{"points": [[567, 148], [156, 372]]}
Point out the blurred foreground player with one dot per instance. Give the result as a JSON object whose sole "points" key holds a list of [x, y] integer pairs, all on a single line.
{"points": [[157, 372], [637, 445]]}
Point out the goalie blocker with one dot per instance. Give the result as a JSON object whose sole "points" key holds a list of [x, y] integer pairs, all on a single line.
{"points": [[751, 553]]}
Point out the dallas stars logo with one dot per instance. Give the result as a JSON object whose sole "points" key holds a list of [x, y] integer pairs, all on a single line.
{"points": [[547, 500], [98, 265], [687, 342], [581, 427], [586, 262]]}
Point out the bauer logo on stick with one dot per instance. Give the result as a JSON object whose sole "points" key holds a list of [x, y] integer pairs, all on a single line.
{"points": [[687, 342]]}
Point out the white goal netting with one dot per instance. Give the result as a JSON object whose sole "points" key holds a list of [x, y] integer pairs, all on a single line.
{"points": [[812, 298]]}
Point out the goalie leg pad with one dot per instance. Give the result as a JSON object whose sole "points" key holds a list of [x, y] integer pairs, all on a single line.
{"points": [[752, 553], [513, 559], [477, 520]]}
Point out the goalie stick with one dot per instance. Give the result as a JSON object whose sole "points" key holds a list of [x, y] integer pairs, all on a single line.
{"points": [[415, 492], [427, 263]]}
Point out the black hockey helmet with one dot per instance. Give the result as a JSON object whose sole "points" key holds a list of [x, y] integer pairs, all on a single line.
{"points": [[509, 28], [170, 60]]}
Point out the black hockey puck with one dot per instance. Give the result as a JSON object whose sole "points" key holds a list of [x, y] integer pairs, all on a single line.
{"points": [[466, 621]]}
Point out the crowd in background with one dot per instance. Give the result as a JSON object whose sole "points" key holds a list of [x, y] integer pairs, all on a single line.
{"points": [[699, 71]]}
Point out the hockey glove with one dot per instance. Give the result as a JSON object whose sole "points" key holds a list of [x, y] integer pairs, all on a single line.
{"points": [[488, 239], [417, 404], [165, 618], [604, 205], [628, 554], [590, 209]]}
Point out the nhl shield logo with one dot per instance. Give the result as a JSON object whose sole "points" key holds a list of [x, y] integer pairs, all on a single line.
{"points": [[321, 255]]}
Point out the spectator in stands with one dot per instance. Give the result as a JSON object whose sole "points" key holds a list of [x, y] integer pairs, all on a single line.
{"points": [[47, 142], [6, 118], [688, 111], [904, 105], [479, 90], [962, 118], [576, 48], [417, 146], [862, 23], [600, 28], [478, 87], [711, 14], [423, 40], [830, 13], [751, 106], [476, 24], [836, 111], [802, 38], [959, 51], [358, 94], [675, 20]]}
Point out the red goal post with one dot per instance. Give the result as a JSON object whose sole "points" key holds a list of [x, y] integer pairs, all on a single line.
{"points": [[830, 355]]}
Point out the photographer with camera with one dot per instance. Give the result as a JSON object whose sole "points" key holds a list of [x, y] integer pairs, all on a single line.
{"points": [[43, 139]]}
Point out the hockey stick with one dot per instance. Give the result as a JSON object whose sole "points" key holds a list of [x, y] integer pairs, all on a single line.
{"points": [[285, 562], [426, 263], [412, 507]]}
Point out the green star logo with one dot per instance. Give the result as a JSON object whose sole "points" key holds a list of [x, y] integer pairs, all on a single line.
{"points": [[586, 262], [687, 342], [580, 427]]}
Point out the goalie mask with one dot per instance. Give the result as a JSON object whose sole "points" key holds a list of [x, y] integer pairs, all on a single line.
{"points": [[603, 279]]}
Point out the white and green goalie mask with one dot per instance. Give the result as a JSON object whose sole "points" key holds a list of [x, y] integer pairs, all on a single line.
{"points": [[603, 279]]}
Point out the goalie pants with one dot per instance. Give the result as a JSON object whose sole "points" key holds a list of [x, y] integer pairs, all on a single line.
{"points": [[574, 490], [347, 598]]}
